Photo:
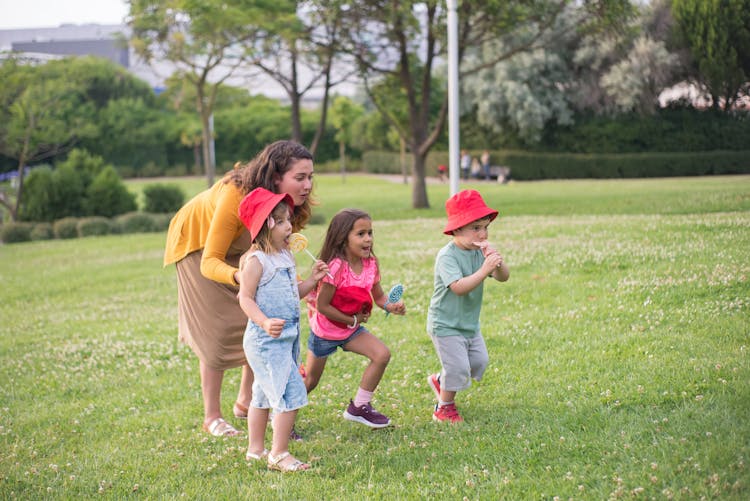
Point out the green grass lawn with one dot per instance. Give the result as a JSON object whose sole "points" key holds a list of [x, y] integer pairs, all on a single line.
{"points": [[619, 359]]}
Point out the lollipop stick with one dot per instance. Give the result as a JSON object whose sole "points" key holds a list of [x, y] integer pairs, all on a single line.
{"points": [[316, 259]]}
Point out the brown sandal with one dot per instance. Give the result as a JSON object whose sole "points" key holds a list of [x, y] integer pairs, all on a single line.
{"points": [[240, 411], [274, 463]]}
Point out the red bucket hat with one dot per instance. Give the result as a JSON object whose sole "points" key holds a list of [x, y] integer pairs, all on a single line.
{"points": [[466, 207], [257, 206]]}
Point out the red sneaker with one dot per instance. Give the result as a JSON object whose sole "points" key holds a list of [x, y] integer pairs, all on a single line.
{"points": [[447, 413], [434, 381]]}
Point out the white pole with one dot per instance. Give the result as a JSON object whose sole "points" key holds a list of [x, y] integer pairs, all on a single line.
{"points": [[453, 132]]}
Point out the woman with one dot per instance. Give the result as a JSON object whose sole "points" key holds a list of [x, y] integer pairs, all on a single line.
{"points": [[206, 239]]}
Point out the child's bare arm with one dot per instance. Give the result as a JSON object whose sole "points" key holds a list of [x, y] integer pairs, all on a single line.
{"points": [[380, 298], [468, 283], [319, 270], [250, 274], [325, 295]]}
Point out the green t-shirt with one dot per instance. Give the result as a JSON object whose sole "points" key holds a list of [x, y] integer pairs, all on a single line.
{"points": [[450, 314]]}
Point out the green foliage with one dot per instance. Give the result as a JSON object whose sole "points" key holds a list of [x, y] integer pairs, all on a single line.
{"points": [[534, 166], [163, 198], [15, 232], [134, 134], [108, 196], [66, 227], [93, 226], [675, 128], [51, 194], [81, 185], [717, 34], [38, 195], [136, 222], [42, 231]]}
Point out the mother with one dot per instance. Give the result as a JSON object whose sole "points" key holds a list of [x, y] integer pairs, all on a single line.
{"points": [[206, 239]]}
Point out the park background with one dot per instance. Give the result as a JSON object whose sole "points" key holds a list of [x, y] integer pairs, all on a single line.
{"points": [[619, 346]]}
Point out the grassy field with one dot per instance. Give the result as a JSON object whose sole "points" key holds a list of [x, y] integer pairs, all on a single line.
{"points": [[619, 359]]}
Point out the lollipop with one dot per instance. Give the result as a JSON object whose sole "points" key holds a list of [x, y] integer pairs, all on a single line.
{"points": [[393, 296], [298, 243]]}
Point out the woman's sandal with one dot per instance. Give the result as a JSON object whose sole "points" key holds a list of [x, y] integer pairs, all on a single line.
{"points": [[240, 411], [274, 463], [251, 456], [220, 428]]}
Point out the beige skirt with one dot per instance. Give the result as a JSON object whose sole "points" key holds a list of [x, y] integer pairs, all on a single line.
{"points": [[211, 321]]}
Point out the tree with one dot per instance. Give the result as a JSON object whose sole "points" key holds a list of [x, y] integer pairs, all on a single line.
{"points": [[718, 36], [573, 71], [344, 112], [407, 40], [47, 114], [300, 57], [208, 42]]}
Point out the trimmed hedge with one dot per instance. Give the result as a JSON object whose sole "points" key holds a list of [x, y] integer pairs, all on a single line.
{"points": [[94, 226], [66, 227], [532, 166], [42, 231], [73, 227], [16, 232]]}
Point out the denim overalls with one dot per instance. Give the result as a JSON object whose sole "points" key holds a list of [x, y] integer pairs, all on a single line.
{"points": [[278, 384]]}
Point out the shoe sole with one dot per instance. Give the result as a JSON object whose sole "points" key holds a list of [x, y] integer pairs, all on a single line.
{"points": [[438, 420], [361, 420], [435, 389]]}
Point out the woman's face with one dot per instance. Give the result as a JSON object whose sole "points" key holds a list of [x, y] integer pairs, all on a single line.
{"points": [[297, 181]]}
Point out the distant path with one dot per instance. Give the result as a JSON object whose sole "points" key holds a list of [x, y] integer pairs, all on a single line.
{"points": [[393, 178]]}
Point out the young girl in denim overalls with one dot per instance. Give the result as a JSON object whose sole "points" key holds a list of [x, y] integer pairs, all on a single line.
{"points": [[269, 295]]}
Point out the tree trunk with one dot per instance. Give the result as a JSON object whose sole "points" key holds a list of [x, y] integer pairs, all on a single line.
{"points": [[342, 159], [197, 164], [403, 160], [206, 146], [419, 189]]}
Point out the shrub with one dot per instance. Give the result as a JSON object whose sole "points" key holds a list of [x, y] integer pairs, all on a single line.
{"points": [[136, 222], [161, 221], [163, 198], [317, 218], [66, 227], [37, 192], [108, 196], [16, 232], [93, 226], [42, 231]]}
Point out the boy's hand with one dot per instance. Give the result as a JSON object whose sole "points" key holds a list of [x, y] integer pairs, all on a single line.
{"points": [[273, 326], [491, 263], [485, 247]]}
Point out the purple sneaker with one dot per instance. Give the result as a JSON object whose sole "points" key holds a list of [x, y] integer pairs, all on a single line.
{"points": [[366, 415]]}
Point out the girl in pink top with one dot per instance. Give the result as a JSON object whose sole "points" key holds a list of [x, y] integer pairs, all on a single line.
{"points": [[343, 305]]}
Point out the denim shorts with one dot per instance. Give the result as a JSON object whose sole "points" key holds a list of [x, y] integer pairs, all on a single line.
{"points": [[321, 348]]}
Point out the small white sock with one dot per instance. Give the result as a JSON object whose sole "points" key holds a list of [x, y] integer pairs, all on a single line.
{"points": [[443, 404]]}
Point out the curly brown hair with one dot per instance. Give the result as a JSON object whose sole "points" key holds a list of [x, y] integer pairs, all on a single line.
{"points": [[266, 168]]}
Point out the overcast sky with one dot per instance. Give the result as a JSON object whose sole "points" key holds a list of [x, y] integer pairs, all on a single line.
{"points": [[52, 13]]}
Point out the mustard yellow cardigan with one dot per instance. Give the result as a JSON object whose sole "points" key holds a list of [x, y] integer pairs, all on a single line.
{"points": [[210, 222]]}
